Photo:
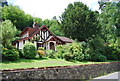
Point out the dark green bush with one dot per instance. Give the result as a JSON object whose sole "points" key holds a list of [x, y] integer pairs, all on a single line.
{"points": [[110, 52], [51, 54], [29, 50], [10, 54], [96, 43], [96, 56], [118, 54], [21, 53], [102, 58]]}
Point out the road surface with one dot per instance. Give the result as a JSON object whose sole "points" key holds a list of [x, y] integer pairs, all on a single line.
{"points": [[110, 77]]}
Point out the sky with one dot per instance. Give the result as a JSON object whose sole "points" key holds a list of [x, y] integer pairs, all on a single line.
{"points": [[47, 9]]}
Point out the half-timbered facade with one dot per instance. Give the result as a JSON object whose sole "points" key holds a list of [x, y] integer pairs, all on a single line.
{"points": [[41, 37]]}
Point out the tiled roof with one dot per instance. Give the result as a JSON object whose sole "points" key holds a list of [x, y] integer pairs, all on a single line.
{"points": [[32, 30], [65, 39]]}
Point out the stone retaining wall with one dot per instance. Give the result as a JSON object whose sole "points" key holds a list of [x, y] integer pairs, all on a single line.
{"points": [[63, 72]]}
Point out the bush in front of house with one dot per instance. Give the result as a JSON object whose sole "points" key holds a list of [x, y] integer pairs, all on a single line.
{"points": [[60, 51], [41, 52], [21, 53], [51, 54], [70, 51], [29, 50], [10, 54]]}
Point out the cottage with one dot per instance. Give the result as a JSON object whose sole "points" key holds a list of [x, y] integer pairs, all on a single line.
{"points": [[41, 37]]}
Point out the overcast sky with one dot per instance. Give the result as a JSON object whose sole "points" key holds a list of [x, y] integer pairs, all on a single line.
{"points": [[46, 9]]}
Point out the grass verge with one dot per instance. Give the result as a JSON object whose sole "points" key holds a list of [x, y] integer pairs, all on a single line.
{"points": [[45, 62]]}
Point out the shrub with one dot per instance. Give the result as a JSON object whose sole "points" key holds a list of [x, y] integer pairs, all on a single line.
{"points": [[96, 56], [96, 43], [87, 52], [118, 54], [1, 49], [68, 56], [41, 53], [110, 52], [29, 50], [51, 54], [102, 58], [10, 54], [41, 48], [21, 53], [71, 51], [60, 51]]}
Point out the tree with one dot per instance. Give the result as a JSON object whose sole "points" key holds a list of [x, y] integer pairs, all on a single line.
{"points": [[47, 22], [55, 28], [110, 22], [38, 21], [17, 17], [78, 22], [8, 31]]}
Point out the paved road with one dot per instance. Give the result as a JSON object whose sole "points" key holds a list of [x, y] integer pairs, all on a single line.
{"points": [[110, 77]]}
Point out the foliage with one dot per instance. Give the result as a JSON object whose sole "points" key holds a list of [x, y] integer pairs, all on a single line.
{"points": [[96, 43], [29, 50], [8, 31], [10, 54], [78, 22], [109, 20], [17, 17], [41, 48], [97, 56], [38, 21], [55, 28], [47, 22], [20, 53], [118, 54], [51, 54], [72, 51], [60, 51], [41, 53], [110, 52], [97, 47]]}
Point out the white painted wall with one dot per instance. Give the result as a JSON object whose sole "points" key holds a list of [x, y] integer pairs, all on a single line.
{"points": [[35, 43], [20, 44]]}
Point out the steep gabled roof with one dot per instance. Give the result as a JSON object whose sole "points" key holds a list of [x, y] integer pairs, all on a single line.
{"points": [[29, 30], [37, 31]]}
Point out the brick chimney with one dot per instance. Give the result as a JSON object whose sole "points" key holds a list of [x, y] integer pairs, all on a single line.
{"points": [[35, 25]]}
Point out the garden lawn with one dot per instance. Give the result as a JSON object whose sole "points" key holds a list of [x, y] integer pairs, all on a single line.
{"points": [[29, 63]]}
